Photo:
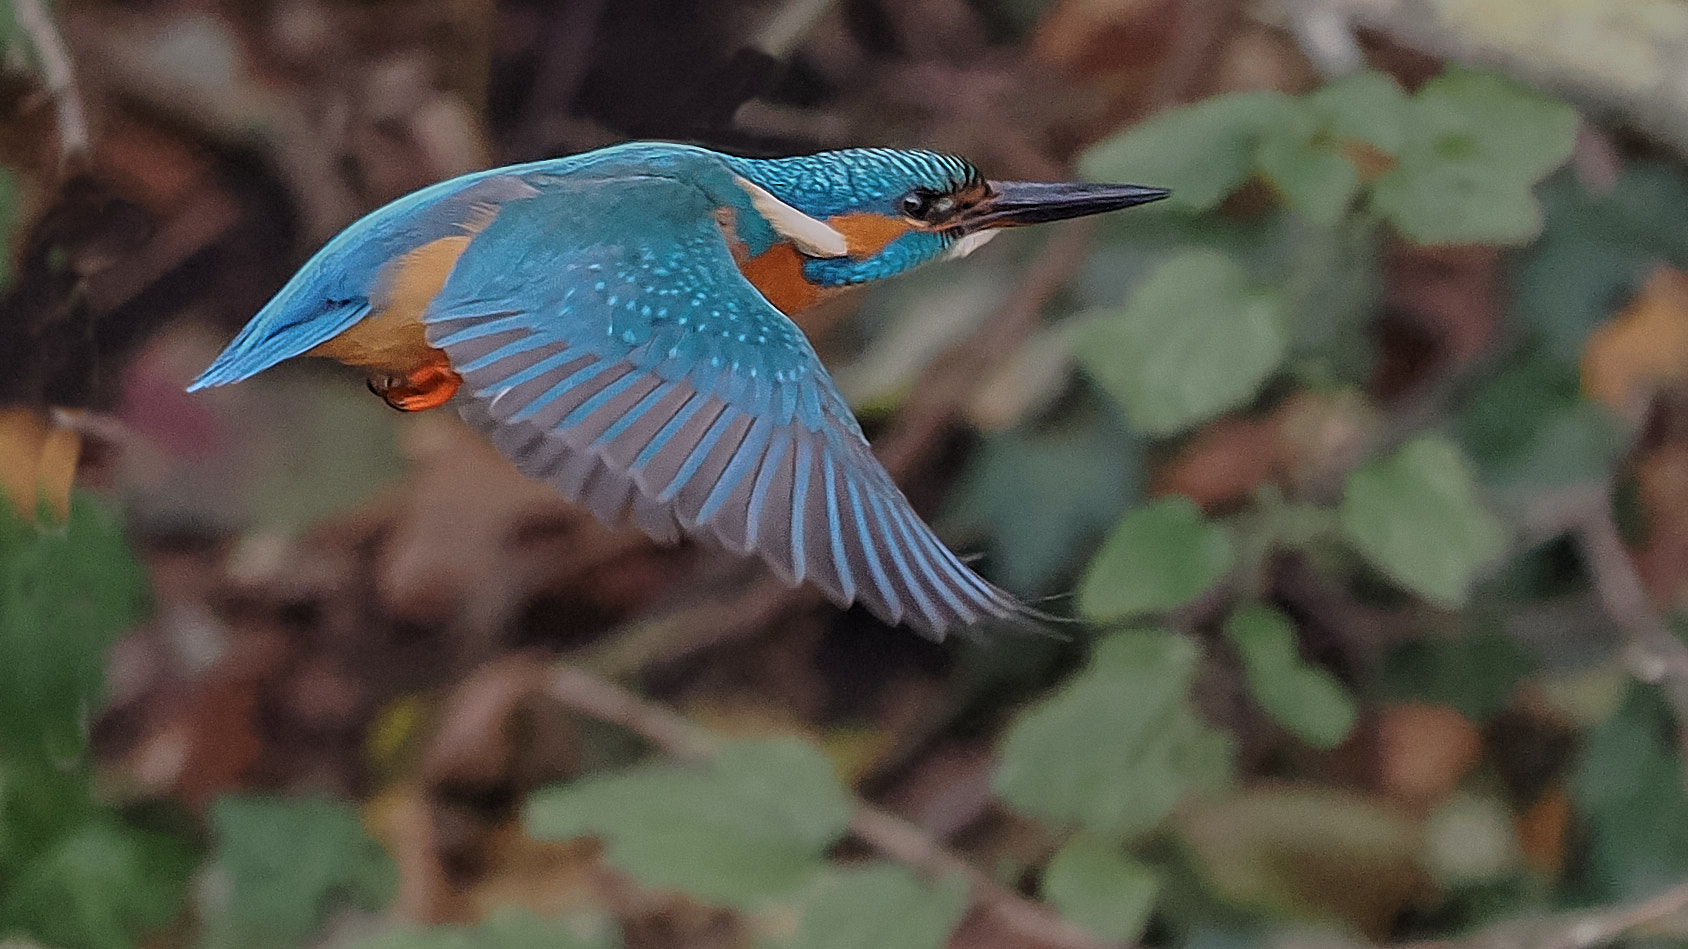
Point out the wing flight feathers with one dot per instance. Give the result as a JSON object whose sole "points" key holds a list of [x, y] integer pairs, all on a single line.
{"points": [[627, 393]]}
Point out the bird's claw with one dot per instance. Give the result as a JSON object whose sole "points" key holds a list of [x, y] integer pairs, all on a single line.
{"points": [[426, 387]]}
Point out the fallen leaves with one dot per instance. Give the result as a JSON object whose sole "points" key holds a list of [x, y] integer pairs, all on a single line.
{"points": [[1642, 348]]}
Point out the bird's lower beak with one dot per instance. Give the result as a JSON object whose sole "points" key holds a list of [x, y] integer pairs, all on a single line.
{"points": [[1013, 203]]}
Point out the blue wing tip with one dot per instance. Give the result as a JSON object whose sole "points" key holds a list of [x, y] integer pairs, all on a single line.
{"points": [[228, 367]]}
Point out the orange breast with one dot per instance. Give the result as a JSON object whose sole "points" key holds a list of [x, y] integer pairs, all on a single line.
{"points": [[778, 275], [392, 339]]}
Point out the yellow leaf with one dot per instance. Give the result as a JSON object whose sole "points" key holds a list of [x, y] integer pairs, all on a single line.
{"points": [[1642, 349], [38, 456]]}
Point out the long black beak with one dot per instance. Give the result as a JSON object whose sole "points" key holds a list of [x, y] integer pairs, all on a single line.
{"points": [[1013, 203]]}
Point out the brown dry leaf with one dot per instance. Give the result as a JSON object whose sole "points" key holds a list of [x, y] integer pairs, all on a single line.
{"points": [[547, 877], [1311, 852], [1257, 56], [1424, 752], [1325, 435], [203, 741], [1661, 477], [1542, 831], [1642, 349], [1225, 461], [1447, 309], [401, 818], [1094, 37], [37, 461]]}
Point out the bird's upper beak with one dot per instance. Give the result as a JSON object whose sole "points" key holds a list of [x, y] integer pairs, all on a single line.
{"points": [[1013, 203]]}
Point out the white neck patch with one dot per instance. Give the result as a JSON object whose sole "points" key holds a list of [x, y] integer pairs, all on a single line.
{"points": [[968, 243], [813, 237]]}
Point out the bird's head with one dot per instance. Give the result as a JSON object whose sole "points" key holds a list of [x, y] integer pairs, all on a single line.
{"points": [[869, 213]]}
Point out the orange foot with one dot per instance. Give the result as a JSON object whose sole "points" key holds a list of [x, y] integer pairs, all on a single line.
{"points": [[425, 387]]}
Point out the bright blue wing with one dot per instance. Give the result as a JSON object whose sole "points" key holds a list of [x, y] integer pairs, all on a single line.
{"points": [[610, 346]]}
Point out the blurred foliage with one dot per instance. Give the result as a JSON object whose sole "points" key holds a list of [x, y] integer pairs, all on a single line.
{"points": [[279, 868], [879, 906], [1305, 699], [513, 929], [74, 871], [753, 825]]}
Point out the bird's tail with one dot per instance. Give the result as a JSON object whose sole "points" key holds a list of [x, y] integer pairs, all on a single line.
{"points": [[279, 331]]}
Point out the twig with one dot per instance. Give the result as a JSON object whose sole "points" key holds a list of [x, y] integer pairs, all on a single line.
{"points": [[887, 833], [1653, 653], [54, 58], [607, 702], [1570, 931]]}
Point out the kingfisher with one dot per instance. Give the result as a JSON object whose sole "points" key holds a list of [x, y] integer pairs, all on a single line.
{"points": [[618, 323]]}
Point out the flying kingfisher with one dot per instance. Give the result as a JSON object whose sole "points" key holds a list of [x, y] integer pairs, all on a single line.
{"points": [[618, 323]]}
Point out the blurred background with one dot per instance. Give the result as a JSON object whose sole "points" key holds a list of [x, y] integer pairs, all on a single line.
{"points": [[1361, 466]]}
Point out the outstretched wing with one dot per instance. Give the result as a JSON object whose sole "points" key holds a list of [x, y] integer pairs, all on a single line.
{"points": [[609, 346]]}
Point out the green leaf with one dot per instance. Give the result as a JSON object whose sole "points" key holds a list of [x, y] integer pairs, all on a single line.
{"points": [[285, 866], [40, 802], [1309, 156], [1194, 340], [103, 886], [1118, 746], [1045, 496], [1305, 699], [508, 929], [1368, 107], [1628, 787], [1529, 426], [1477, 145], [880, 906], [1203, 152], [1597, 250], [751, 824], [1159, 557], [66, 594], [1308, 170], [1099, 887], [1415, 514]]}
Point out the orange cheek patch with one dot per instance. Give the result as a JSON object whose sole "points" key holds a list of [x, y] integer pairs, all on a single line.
{"points": [[868, 234], [778, 275]]}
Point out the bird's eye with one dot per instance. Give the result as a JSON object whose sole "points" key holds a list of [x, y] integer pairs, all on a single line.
{"points": [[918, 204]]}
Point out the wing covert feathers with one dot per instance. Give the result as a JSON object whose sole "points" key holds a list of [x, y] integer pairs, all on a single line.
{"points": [[718, 441]]}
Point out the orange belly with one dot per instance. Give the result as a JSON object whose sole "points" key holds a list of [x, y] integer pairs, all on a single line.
{"points": [[392, 344]]}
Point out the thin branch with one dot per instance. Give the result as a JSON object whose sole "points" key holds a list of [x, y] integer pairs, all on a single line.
{"points": [[885, 832], [1572, 930], [1653, 652], [54, 59]]}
